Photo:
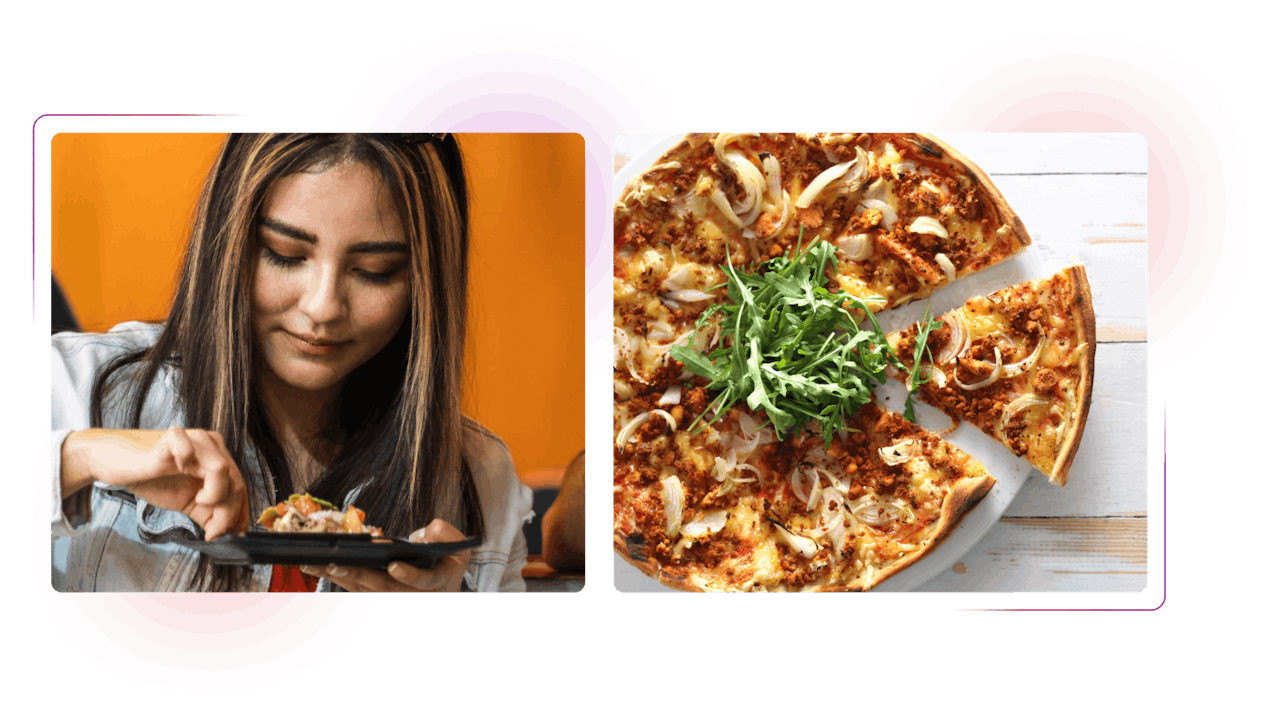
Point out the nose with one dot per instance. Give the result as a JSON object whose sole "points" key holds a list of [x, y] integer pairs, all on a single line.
{"points": [[324, 299]]}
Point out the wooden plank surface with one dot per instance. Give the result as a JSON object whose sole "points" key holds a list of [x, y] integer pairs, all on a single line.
{"points": [[1083, 197]]}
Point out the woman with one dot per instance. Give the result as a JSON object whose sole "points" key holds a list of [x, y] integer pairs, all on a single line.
{"points": [[314, 344]]}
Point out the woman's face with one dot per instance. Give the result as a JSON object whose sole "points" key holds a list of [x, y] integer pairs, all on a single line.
{"points": [[331, 287]]}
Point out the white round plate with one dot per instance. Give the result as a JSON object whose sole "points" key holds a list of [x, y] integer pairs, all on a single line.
{"points": [[1009, 470]]}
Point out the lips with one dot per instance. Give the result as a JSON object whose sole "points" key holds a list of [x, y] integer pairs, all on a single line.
{"points": [[314, 345]]}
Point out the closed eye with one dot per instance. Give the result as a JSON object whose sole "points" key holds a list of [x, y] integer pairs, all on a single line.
{"points": [[278, 259]]}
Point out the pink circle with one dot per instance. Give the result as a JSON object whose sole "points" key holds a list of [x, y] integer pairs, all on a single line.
{"points": [[1084, 82]]}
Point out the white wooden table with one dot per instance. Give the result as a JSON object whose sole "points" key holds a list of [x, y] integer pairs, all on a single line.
{"points": [[1083, 198]]}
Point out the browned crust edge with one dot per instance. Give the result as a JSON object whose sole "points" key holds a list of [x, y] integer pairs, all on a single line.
{"points": [[962, 499], [1081, 303], [1003, 210], [652, 568], [959, 502]]}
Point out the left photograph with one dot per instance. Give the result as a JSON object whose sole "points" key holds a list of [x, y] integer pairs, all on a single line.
{"points": [[317, 362]]}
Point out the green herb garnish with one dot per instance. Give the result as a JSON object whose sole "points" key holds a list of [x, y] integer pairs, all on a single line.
{"points": [[791, 346], [922, 346]]}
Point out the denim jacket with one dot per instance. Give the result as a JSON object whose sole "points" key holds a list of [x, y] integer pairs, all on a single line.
{"points": [[111, 540]]}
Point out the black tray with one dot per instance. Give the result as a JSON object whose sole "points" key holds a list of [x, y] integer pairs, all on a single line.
{"points": [[262, 547]]}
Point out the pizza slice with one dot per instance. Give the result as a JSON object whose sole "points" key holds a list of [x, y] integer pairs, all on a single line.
{"points": [[731, 508], [1018, 364]]}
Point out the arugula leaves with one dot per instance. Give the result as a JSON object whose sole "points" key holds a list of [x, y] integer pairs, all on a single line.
{"points": [[793, 347], [927, 326]]}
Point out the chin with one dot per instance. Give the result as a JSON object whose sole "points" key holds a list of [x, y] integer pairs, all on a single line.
{"points": [[306, 377]]}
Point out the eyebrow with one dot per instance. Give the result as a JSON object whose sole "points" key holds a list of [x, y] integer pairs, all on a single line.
{"points": [[293, 232]]}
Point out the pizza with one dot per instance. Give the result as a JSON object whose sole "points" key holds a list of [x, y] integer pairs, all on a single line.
{"points": [[742, 511], [1018, 365], [748, 271], [304, 513]]}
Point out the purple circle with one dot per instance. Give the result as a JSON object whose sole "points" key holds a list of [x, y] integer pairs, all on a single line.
{"points": [[529, 94]]}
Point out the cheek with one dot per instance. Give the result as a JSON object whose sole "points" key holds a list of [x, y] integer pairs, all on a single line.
{"points": [[382, 312], [272, 292]]}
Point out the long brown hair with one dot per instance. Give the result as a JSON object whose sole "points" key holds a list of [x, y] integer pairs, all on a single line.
{"points": [[398, 423]]}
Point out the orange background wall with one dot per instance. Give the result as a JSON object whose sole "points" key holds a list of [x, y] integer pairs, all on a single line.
{"points": [[122, 206]]}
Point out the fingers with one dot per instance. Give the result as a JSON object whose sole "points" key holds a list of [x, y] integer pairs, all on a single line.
{"points": [[221, 502], [358, 579], [446, 575], [180, 449], [438, 531]]}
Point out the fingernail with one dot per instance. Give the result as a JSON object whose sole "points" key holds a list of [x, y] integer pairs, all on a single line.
{"points": [[418, 535], [310, 570], [337, 571], [395, 569]]}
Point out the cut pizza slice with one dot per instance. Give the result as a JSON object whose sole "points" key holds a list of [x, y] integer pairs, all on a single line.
{"points": [[731, 508], [1017, 364]]}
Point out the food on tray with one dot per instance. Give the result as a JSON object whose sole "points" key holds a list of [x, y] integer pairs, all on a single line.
{"points": [[1017, 364], [304, 513]]}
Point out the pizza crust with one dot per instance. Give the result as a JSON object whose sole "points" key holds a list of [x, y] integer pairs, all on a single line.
{"points": [[965, 497], [1003, 211], [1082, 308]]}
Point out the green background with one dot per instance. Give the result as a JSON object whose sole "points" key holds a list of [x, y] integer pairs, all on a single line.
{"points": [[599, 655]]}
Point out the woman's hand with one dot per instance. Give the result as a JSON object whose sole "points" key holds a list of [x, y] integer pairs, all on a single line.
{"points": [[445, 576], [184, 470]]}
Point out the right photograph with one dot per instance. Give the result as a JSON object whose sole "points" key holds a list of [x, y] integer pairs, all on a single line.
{"points": [[880, 362]]}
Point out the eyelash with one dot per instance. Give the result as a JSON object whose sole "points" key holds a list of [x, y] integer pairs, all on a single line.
{"points": [[279, 260]]}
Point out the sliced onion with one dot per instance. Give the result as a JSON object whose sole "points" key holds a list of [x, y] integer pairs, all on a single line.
{"points": [[629, 429], [936, 376], [773, 174], [1023, 365], [874, 511], [672, 395], [752, 183], [673, 503], [687, 295], [840, 484], [671, 421], [724, 139], [928, 225], [815, 488], [816, 186], [748, 424], [721, 469], [888, 216], [928, 185], [898, 453], [802, 545], [995, 375], [744, 479], [855, 177], [856, 247], [722, 203], [710, 523], [948, 268], [1019, 404], [632, 425], [660, 331], [682, 276], [902, 167], [795, 485], [959, 342]]}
